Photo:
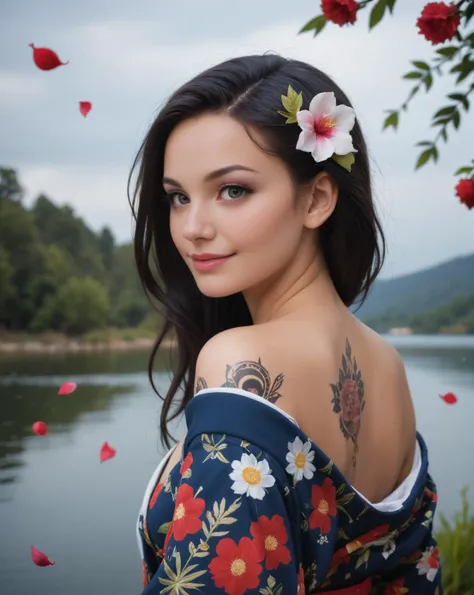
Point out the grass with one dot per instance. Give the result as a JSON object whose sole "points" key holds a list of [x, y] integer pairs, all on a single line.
{"points": [[456, 547]]}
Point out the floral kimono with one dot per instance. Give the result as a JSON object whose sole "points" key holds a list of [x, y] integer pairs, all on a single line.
{"points": [[254, 506]]}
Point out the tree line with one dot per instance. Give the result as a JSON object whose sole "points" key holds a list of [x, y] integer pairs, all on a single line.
{"points": [[58, 274], [457, 316]]}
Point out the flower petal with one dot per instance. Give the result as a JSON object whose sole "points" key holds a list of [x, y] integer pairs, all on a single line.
{"points": [[344, 117], [305, 119], [67, 388], [306, 141], [342, 143], [323, 149], [322, 104]]}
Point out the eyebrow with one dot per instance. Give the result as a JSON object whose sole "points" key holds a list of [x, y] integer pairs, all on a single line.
{"points": [[217, 173]]}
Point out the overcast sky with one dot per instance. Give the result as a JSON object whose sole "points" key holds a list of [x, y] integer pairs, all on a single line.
{"points": [[127, 57]]}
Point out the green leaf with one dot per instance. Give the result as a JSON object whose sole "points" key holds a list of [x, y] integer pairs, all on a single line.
{"points": [[318, 24], [444, 135], [445, 111], [434, 152], [377, 13], [421, 65], [423, 158], [463, 170], [413, 75], [469, 12], [465, 72], [425, 143], [428, 80], [448, 52], [456, 119], [346, 161], [390, 5], [391, 120], [292, 102], [460, 97]]}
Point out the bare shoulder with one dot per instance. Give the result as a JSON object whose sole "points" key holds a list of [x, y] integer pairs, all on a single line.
{"points": [[258, 359]]}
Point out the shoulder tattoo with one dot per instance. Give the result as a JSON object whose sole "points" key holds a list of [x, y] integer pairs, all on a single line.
{"points": [[348, 398], [250, 376]]}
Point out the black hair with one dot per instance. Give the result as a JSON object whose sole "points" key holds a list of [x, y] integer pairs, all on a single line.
{"points": [[351, 240]]}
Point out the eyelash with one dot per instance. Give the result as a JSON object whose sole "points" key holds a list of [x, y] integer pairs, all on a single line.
{"points": [[169, 195]]}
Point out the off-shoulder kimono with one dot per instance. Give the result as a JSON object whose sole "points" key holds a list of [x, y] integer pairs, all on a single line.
{"points": [[254, 506]]}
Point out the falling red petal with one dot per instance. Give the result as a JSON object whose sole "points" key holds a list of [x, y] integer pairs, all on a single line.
{"points": [[67, 388], [46, 59], [39, 558], [85, 107], [106, 452], [449, 398], [40, 428]]}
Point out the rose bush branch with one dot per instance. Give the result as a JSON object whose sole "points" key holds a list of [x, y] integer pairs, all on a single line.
{"points": [[438, 23]]}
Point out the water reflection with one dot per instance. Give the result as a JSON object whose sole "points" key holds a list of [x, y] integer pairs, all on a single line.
{"points": [[23, 404]]}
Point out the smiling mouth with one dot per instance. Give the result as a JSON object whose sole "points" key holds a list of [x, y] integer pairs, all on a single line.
{"points": [[210, 263]]}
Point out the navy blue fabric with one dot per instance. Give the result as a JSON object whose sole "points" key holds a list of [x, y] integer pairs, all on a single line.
{"points": [[255, 506]]}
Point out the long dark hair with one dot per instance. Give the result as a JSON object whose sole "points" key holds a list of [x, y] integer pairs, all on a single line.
{"points": [[352, 241]]}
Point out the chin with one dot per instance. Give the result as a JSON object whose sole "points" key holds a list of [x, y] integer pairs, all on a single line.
{"points": [[218, 288]]}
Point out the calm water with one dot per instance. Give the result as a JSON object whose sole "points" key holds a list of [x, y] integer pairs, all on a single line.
{"points": [[55, 494]]}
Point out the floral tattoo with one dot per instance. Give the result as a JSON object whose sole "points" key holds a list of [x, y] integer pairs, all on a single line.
{"points": [[348, 398], [250, 376]]}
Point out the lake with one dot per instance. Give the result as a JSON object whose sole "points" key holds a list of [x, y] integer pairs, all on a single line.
{"points": [[57, 496]]}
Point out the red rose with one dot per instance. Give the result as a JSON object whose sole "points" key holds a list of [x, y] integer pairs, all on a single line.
{"points": [[438, 22], [465, 191], [340, 12], [350, 406]]}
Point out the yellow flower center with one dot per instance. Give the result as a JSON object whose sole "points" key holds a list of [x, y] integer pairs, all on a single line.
{"points": [[179, 513], [300, 460], [238, 567], [323, 506], [251, 475], [271, 543]]}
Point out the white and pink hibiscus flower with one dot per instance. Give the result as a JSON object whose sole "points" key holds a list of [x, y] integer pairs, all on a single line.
{"points": [[325, 128]]}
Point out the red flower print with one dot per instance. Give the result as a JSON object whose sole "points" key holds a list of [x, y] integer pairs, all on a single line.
{"points": [[85, 107], [156, 493], [301, 589], [270, 537], [396, 587], [188, 461], [144, 574], [438, 22], [465, 192], [236, 567], [340, 12], [324, 501], [187, 511]]}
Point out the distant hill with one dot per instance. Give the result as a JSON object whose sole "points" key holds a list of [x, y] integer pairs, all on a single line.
{"points": [[422, 291]]}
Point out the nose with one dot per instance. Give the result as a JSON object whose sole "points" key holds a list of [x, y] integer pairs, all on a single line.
{"points": [[198, 223]]}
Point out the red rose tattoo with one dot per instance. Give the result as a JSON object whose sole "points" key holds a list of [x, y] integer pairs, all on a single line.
{"points": [[348, 398]]}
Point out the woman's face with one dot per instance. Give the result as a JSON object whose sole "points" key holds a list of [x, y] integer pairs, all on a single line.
{"points": [[230, 198]]}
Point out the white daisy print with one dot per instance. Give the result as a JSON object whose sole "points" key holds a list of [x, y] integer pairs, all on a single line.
{"points": [[251, 477], [299, 457]]}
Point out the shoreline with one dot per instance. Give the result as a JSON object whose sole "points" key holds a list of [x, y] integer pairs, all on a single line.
{"points": [[32, 346]]}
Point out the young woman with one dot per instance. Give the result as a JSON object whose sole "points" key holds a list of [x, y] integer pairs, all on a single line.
{"points": [[301, 470]]}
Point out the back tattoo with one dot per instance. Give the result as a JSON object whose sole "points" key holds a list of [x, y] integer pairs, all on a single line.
{"points": [[348, 398], [250, 376]]}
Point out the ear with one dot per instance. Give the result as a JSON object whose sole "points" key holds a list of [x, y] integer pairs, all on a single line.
{"points": [[321, 200]]}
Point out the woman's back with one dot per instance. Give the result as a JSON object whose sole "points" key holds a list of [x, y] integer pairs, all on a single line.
{"points": [[310, 352]]}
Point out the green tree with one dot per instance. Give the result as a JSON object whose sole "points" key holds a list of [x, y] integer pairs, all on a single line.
{"points": [[10, 188], [82, 304]]}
